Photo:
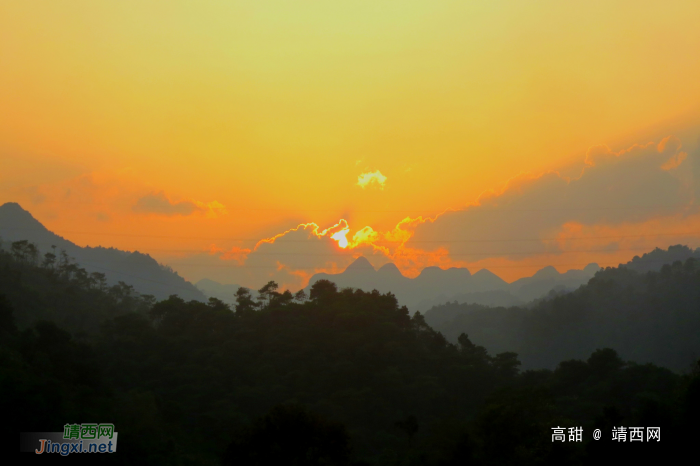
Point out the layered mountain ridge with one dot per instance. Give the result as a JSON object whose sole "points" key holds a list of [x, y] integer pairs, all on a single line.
{"points": [[140, 270], [435, 285]]}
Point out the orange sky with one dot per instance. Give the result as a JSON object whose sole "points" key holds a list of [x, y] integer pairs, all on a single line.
{"points": [[179, 127]]}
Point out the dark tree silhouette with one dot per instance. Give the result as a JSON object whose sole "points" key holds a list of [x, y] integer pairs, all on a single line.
{"points": [[244, 301], [604, 361], [300, 296], [409, 426], [322, 291], [267, 293], [290, 435]]}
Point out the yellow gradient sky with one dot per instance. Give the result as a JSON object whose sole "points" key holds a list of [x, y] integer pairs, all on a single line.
{"points": [[177, 127]]}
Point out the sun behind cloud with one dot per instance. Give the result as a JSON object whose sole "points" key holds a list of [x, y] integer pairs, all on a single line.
{"points": [[340, 238], [371, 178]]}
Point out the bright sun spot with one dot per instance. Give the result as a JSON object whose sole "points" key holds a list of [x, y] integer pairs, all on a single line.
{"points": [[340, 238]]}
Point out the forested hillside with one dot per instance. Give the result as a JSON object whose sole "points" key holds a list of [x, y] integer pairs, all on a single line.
{"points": [[194, 383], [654, 260], [647, 317], [56, 289], [139, 270]]}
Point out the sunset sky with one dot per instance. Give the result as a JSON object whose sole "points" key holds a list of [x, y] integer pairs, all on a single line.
{"points": [[245, 141]]}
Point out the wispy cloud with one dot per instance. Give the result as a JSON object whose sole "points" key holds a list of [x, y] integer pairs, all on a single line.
{"points": [[159, 203]]}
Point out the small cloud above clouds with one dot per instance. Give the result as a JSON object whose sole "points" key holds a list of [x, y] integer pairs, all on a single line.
{"points": [[374, 178], [159, 203]]}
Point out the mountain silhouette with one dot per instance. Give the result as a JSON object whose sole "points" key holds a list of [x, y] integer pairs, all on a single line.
{"points": [[360, 266], [389, 270], [435, 285], [140, 270]]}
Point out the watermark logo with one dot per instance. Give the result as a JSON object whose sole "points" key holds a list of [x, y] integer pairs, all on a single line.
{"points": [[559, 434], [636, 434], [88, 431], [619, 434], [75, 438]]}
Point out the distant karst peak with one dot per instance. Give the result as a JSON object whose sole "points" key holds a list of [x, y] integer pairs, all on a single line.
{"points": [[389, 269], [361, 264]]}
